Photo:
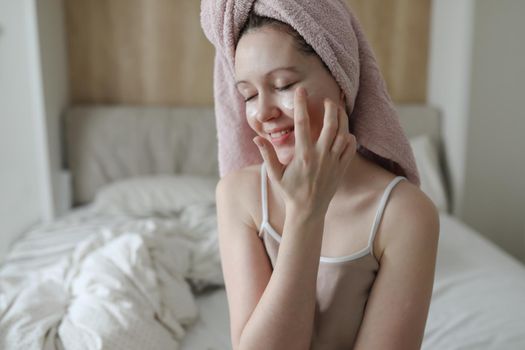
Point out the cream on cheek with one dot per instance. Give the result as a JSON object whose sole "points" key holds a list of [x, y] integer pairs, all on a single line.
{"points": [[251, 110], [286, 100]]}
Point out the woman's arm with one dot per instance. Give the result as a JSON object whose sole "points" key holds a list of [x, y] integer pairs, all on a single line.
{"points": [[268, 310], [397, 308]]}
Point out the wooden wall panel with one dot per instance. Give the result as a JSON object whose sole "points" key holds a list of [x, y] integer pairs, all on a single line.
{"points": [[138, 52], [399, 32], [154, 52]]}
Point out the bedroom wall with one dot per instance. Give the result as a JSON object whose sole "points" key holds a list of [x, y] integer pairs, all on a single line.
{"points": [[154, 52], [449, 74], [55, 97], [33, 91], [476, 77], [494, 194], [21, 196]]}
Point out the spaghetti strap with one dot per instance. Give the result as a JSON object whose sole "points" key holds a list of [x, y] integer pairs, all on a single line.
{"points": [[380, 210], [264, 199], [377, 220]]}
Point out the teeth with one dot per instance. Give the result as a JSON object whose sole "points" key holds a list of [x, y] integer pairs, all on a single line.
{"points": [[274, 135]]}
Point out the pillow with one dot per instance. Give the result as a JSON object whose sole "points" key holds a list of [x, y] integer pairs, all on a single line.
{"points": [[157, 195], [427, 162]]}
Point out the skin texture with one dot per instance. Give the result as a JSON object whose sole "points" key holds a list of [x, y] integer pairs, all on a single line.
{"points": [[319, 187]]}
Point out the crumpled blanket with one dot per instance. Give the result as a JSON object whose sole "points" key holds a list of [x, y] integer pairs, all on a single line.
{"points": [[129, 285]]}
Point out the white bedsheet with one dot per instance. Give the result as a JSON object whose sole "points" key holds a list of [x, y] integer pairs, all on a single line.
{"points": [[212, 329], [478, 299], [88, 282]]}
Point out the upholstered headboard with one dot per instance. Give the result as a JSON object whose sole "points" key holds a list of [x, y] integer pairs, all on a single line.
{"points": [[104, 144], [108, 143]]}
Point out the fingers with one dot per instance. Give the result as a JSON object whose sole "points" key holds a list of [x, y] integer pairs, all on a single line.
{"points": [[334, 136], [342, 138], [303, 140], [273, 166], [340, 143], [350, 150], [330, 125], [344, 121]]}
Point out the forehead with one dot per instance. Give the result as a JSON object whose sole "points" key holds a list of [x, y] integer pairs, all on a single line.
{"points": [[262, 49]]}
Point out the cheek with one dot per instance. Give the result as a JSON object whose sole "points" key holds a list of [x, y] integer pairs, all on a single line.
{"points": [[251, 110], [251, 116], [286, 99], [315, 108]]}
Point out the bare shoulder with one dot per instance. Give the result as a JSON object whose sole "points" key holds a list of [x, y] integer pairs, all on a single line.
{"points": [[398, 303], [240, 189], [410, 220], [240, 183]]}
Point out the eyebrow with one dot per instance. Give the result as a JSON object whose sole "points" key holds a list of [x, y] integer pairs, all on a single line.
{"points": [[290, 68]]}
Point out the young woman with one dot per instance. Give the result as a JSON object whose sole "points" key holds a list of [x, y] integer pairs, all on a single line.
{"points": [[321, 247]]}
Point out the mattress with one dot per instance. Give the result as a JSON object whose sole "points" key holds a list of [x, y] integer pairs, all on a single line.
{"points": [[478, 299]]}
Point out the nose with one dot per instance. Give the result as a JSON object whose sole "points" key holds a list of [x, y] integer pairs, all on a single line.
{"points": [[266, 109]]}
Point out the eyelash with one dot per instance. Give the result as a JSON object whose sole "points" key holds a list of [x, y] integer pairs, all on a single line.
{"points": [[278, 89]]}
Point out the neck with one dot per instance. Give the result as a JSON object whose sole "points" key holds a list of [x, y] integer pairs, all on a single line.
{"points": [[358, 176]]}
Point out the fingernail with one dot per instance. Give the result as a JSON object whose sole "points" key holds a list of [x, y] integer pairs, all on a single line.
{"points": [[302, 92]]}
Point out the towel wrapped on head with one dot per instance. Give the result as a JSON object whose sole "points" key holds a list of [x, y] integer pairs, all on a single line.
{"points": [[335, 34]]}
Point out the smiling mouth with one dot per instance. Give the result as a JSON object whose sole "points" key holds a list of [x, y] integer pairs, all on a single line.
{"points": [[282, 138], [279, 134]]}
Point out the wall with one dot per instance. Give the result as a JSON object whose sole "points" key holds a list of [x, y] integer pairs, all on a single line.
{"points": [[55, 97], [138, 52], [21, 199], [33, 92], [449, 85], [155, 53], [494, 193], [476, 76], [398, 31]]}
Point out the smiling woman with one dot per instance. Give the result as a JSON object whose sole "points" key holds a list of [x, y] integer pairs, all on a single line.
{"points": [[269, 66], [312, 255]]}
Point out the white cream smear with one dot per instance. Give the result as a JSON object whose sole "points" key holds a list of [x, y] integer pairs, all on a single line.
{"points": [[287, 100], [251, 110]]}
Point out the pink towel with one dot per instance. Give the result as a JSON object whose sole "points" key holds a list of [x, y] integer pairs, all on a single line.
{"points": [[335, 34]]}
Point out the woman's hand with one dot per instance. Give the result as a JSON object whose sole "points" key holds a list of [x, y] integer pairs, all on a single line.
{"points": [[310, 180]]}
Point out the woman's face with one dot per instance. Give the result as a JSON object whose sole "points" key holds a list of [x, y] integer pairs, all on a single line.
{"points": [[268, 69]]}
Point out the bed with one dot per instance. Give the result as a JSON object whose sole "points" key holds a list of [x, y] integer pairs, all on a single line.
{"points": [[135, 264]]}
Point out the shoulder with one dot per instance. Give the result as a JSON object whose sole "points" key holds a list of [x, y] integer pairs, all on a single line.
{"points": [[240, 189], [241, 181], [410, 221], [400, 296]]}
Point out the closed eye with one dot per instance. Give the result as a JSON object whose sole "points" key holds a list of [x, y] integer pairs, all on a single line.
{"points": [[249, 98], [278, 89], [285, 87]]}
